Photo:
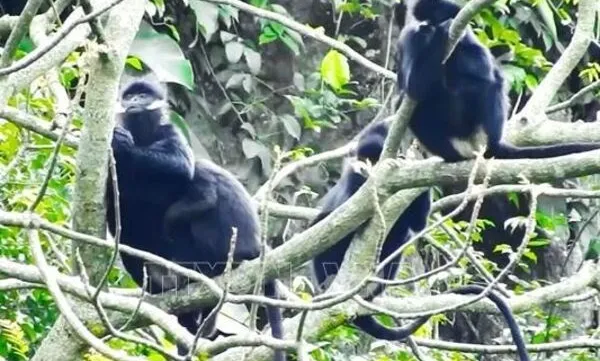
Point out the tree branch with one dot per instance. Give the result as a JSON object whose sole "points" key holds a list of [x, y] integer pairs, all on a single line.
{"points": [[21, 27], [64, 31], [545, 92], [575, 98], [310, 32]]}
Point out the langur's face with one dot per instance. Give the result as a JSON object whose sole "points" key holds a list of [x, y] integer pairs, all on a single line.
{"points": [[140, 110], [133, 103]]}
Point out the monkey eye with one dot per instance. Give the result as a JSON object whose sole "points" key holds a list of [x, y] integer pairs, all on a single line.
{"points": [[139, 95]]}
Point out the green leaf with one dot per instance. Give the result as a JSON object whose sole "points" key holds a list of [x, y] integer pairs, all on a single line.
{"points": [[253, 59], [593, 251], [267, 36], [234, 51], [538, 243], [335, 70], [180, 123], [235, 81], [226, 36], [171, 65], [547, 16], [253, 149], [227, 13], [134, 63], [26, 44], [291, 126], [249, 128], [290, 43], [207, 15]]}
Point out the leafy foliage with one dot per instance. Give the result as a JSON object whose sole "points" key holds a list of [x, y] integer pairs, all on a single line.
{"points": [[254, 86], [171, 65]]}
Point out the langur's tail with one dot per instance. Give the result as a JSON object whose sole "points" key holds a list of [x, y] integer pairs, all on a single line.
{"points": [[275, 318], [371, 326], [508, 151]]}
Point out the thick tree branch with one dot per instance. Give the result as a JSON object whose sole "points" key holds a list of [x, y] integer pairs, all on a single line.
{"points": [[92, 157], [586, 277], [320, 322], [21, 79], [20, 29], [35, 124], [545, 92], [417, 174], [56, 39], [63, 305]]}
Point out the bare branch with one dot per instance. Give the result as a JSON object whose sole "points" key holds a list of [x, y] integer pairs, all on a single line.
{"points": [[20, 29], [34, 124], [310, 32], [64, 307], [37, 53], [94, 22], [293, 167], [545, 92], [492, 349], [575, 98], [544, 189], [125, 304]]}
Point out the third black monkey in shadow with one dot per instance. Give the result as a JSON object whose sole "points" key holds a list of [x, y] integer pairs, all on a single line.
{"points": [[413, 219], [369, 147], [461, 104], [158, 180]]}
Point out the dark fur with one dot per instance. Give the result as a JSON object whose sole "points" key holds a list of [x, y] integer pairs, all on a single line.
{"points": [[214, 202], [456, 100], [414, 219], [326, 264], [154, 163], [175, 208]]}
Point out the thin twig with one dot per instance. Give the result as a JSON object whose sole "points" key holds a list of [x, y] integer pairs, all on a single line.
{"points": [[134, 314], [54, 157], [575, 98], [112, 167], [63, 260], [62, 304], [14, 162], [310, 32], [215, 311], [20, 29], [64, 31], [95, 22], [106, 321]]}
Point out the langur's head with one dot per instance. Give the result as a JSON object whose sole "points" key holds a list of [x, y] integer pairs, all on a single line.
{"points": [[141, 107]]}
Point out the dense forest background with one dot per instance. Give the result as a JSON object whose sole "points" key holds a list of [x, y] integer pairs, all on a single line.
{"points": [[279, 103]]}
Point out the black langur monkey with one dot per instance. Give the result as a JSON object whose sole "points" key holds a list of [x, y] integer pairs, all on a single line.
{"points": [[213, 203], [154, 163], [370, 145], [413, 219], [326, 264], [157, 179], [463, 103]]}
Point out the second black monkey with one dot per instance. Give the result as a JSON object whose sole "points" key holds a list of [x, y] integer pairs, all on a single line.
{"points": [[158, 183], [461, 104], [413, 219]]}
